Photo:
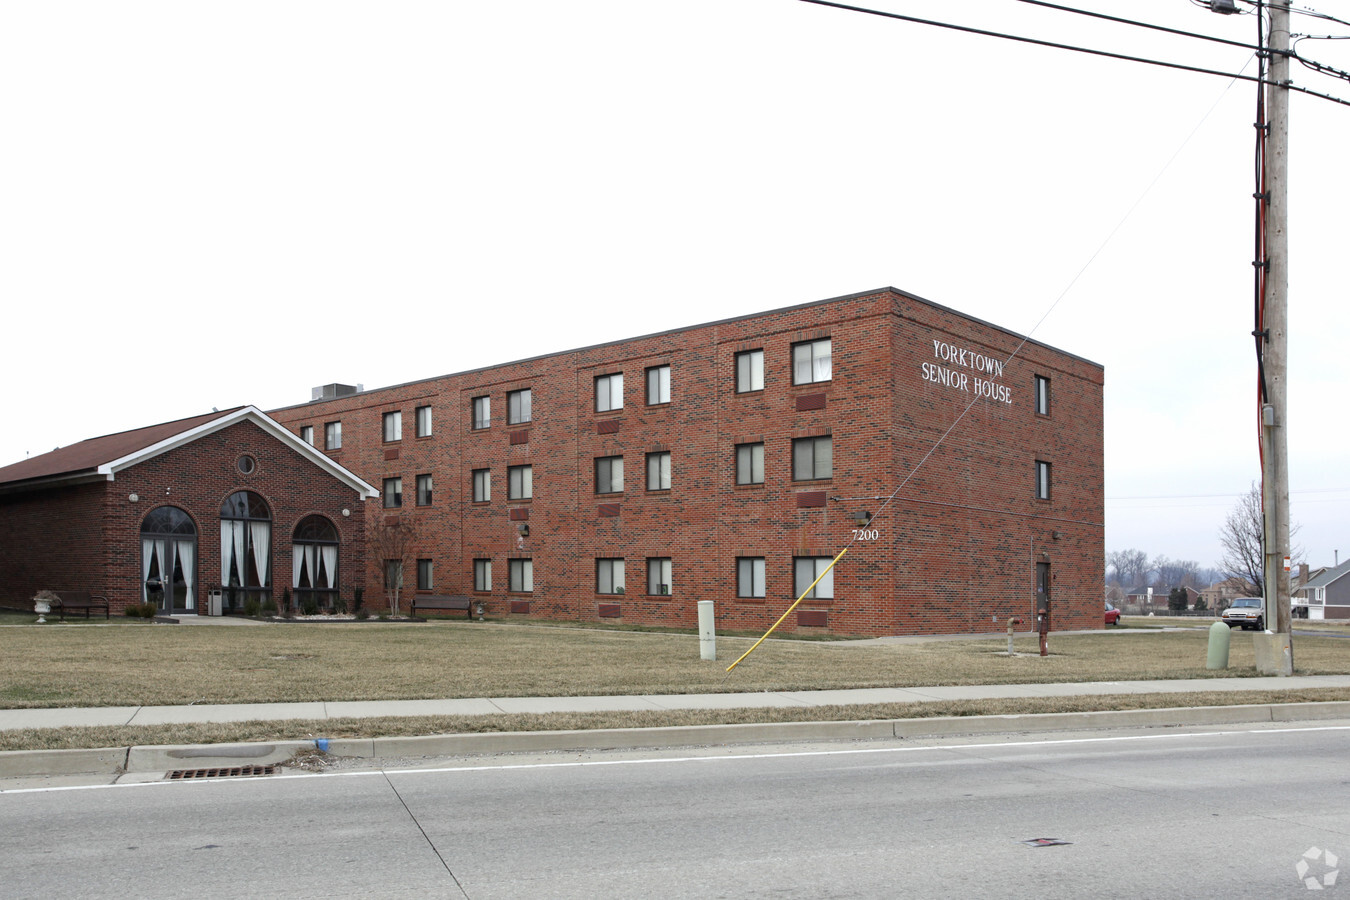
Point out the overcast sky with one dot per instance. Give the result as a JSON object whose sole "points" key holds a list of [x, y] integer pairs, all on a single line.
{"points": [[209, 205]]}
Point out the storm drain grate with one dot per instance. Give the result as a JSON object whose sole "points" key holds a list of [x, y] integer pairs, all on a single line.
{"points": [[226, 772]]}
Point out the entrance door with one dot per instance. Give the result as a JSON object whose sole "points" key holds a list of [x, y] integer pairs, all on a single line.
{"points": [[169, 561], [1042, 588]]}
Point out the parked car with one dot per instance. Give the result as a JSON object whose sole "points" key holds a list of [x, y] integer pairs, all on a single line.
{"points": [[1247, 612], [1112, 615]]}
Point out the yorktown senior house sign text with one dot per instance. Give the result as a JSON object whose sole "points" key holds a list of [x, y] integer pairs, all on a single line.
{"points": [[960, 357]]}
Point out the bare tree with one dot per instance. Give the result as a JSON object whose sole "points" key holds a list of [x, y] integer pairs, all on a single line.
{"points": [[1175, 572], [394, 543], [1131, 566], [1243, 548]]}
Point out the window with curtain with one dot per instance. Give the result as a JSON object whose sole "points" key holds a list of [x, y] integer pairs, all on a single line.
{"points": [[169, 559], [245, 549], [314, 562]]}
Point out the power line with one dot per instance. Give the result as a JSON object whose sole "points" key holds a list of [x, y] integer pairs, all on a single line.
{"points": [[1054, 45]]}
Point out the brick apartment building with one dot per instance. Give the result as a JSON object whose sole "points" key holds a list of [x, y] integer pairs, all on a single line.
{"points": [[165, 514], [731, 461]]}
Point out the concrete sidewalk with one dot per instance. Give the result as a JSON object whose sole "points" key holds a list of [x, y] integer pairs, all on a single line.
{"points": [[362, 709]]}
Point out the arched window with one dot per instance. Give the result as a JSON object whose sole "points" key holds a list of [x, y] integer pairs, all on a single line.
{"points": [[169, 560], [314, 561], [245, 549]]}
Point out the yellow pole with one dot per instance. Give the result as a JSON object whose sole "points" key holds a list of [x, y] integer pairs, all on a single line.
{"points": [[789, 609]]}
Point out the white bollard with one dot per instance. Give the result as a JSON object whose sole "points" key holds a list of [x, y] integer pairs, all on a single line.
{"points": [[707, 631]]}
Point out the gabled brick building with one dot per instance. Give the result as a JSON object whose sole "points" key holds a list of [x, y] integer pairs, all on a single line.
{"points": [[229, 500], [731, 461]]}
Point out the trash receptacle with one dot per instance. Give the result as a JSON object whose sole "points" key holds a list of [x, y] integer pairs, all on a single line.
{"points": [[215, 601]]}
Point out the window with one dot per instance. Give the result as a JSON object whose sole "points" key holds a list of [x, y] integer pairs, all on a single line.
{"points": [[811, 362], [423, 416], [658, 385], [482, 574], [425, 582], [245, 550], [393, 493], [807, 569], [609, 576], [393, 426], [749, 463], [658, 575], [522, 575], [519, 407], [393, 573], [750, 371], [609, 392], [314, 558], [307, 434], [519, 482], [609, 475], [750, 576], [332, 436], [482, 485], [1042, 480], [812, 458], [1042, 385], [482, 412], [423, 490], [658, 471]]}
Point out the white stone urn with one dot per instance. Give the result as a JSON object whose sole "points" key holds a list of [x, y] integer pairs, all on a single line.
{"points": [[42, 605]]}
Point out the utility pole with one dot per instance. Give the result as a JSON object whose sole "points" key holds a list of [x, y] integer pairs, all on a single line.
{"points": [[1275, 462]]}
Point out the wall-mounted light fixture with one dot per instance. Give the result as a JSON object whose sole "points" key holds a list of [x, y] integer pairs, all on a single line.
{"points": [[523, 530], [862, 517], [346, 512], [134, 498]]}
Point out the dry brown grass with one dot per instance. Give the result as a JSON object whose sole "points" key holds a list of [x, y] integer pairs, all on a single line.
{"points": [[74, 738], [168, 665]]}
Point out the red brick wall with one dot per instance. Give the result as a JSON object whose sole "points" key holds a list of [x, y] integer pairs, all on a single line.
{"points": [[955, 551], [88, 537]]}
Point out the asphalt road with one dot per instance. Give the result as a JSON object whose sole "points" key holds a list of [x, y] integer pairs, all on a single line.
{"points": [[1161, 813]]}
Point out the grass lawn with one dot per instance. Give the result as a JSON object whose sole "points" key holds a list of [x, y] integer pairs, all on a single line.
{"points": [[142, 664]]}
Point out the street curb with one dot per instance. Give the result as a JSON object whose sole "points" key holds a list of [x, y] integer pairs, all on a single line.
{"points": [[169, 757]]}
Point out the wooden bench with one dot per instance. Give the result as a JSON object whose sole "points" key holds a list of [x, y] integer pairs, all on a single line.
{"points": [[80, 601], [426, 602]]}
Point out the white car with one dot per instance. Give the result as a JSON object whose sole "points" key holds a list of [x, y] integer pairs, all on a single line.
{"points": [[1247, 612]]}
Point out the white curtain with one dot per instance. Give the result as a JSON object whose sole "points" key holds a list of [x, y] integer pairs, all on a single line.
{"points": [[297, 564], [232, 551], [261, 532], [149, 552], [187, 559], [329, 565]]}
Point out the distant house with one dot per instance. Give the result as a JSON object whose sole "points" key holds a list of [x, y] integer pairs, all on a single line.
{"points": [[227, 501], [1221, 594], [1325, 595]]}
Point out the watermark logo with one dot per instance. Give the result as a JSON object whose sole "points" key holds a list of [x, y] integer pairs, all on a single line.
{"points": [[1317, 869]]}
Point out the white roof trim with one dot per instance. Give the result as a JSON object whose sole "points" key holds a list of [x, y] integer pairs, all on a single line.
{"points": [[252, 414]]}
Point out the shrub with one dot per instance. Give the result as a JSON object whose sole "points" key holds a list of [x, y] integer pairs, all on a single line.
{"points": [[251, 608], [309, 606], [362, 613], [269, 607], [339, 605]]}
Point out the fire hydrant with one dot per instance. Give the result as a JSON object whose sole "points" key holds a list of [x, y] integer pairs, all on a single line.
{"points": [[1011, 623]]}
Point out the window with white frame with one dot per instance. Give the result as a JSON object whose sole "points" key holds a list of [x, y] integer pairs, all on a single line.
{"points": [[332, 435], [482, 485], [749, 371], [658, 385], [519, 482], [307, 434], [812, 458], [811, 361], [393, 426], [424, 490], [609, 392], [806, 569], [1042, 480], [423, 417], [393, 493], [658, 575], [750, 463], [750, 576], [609, 576], [519, 407], [482, 574], [482, 412], [658, 471], [1042, 387], [609, 475], [521, 574]]}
